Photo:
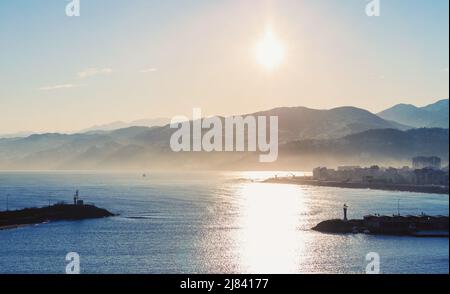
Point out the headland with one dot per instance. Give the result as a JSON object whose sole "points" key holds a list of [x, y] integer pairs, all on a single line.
{"points": [[57, 212]]}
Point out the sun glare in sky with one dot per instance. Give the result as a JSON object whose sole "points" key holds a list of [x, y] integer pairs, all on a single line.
{"points": [[270, 51]]}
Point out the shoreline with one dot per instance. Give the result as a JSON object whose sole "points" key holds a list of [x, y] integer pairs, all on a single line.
{"points": [[444, 190], [11, 227]]}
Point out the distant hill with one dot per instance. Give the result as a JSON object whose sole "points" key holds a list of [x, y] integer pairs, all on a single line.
{"points": [[135, 148], [16, 135], [103, 128], [307, 138], [299, 123], [295, 123], [122, 125], [432, 116], [384, 146]]}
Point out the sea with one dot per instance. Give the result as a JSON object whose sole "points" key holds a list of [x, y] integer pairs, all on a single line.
{"points": [[210, 222]]}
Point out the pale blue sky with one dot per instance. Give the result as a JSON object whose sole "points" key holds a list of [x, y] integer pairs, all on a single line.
{"points": [[134, 59]]}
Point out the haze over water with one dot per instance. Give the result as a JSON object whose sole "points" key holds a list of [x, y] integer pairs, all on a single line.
{"points": [[209, 223]]}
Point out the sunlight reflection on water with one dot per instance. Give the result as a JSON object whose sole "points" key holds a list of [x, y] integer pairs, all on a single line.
{"points": [[269, 236], [210, 223]]}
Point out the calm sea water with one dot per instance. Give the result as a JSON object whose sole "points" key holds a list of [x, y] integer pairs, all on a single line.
{"points": [[209, 223]]}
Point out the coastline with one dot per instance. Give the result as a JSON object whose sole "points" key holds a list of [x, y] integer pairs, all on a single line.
{"points": [[444, 190], [11, 227]]}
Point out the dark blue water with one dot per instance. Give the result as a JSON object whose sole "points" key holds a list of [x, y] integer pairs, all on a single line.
{"points": [[209, 223]]}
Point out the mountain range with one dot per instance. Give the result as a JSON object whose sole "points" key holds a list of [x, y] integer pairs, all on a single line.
{"points": [[104, 127], [122, 125], [386, 147], [307, 137], [299, 123], [435, 115]]}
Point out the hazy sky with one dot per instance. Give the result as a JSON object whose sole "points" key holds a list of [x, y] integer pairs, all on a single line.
{"points": [[134, 59]]}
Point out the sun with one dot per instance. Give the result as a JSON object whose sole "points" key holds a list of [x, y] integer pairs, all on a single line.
{"points": [[270, 51]]}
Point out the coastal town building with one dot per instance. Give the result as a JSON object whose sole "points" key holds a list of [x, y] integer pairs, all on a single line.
{"points": [[421, 162], [432, 174]]}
